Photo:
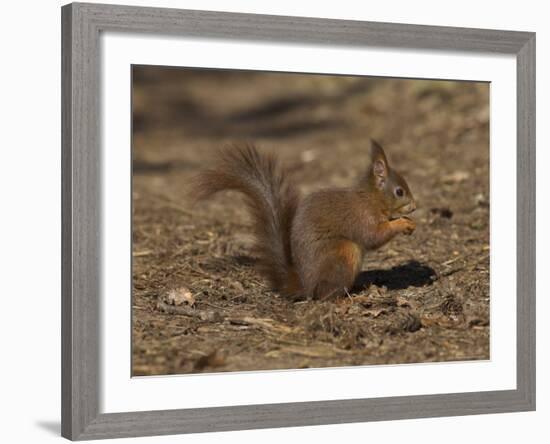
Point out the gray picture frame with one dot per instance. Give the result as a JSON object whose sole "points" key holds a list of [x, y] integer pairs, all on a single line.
{"points": [[81, 231]]}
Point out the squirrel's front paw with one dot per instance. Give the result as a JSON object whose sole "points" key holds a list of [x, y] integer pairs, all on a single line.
{"points": [[406, 225]]}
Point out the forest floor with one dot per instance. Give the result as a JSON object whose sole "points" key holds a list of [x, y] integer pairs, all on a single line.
{"points": [[198, 304]]}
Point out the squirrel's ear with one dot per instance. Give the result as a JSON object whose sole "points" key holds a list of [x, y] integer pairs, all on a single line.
{"points": [[379, 163]]}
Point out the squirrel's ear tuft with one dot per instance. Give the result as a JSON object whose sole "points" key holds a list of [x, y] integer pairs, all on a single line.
{"points": [[379, 163]]}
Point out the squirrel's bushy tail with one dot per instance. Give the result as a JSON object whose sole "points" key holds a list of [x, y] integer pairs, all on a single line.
{"points": [[271, 199]]}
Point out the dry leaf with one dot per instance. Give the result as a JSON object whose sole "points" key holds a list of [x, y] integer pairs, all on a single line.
{"points": [[308, 156], [456, 177], [375, 312], [402, 302], [180, 296]]}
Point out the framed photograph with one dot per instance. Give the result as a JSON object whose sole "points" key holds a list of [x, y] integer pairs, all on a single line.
{"points": [[278, 221]]}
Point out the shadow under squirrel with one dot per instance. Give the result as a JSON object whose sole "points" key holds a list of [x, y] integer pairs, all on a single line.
{"points": [[312, 247]]}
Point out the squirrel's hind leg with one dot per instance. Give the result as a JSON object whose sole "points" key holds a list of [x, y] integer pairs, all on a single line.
{"points": [[339, 267]]}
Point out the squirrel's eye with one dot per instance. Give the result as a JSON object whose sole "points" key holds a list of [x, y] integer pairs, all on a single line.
{"points": [[399, 192]]}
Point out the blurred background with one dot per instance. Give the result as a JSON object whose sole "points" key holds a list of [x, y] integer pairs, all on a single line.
{"points": [[425, 298]]}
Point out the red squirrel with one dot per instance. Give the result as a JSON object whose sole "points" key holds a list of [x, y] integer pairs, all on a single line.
{"points": [[312, 247]]}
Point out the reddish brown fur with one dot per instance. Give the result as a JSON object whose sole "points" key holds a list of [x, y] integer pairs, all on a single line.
{"points": [[350, 254], [313, 247]]}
